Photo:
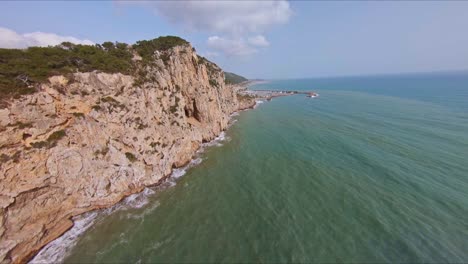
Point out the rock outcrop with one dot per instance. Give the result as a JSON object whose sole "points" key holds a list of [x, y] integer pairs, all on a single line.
{"points": [[86, 141]]}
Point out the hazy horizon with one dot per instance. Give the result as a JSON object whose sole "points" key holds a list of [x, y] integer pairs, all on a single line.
{"points": [[265, 39], [444, 72]]}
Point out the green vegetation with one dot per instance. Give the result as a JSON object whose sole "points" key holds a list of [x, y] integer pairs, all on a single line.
{"points": [[154, 144], [21, 70], [15, 157], [210, 66], [232, 78], [130, 157], [51, 140], [109, 99], [78, 114], [173, 109], [56, 135], [103, 151], [146, 48], [213, 82], [113, 104], [242, 97], [96, 107]]}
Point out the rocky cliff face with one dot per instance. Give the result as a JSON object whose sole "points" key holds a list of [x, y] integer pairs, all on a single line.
{"points": [[85, 142]]}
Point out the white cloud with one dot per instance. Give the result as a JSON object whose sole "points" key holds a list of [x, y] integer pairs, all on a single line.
{"points": [[229, 17], [11, 39], [230, 47], [259, 41], [231, 20]]}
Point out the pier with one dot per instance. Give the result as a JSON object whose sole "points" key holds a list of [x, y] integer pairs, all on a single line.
{"points": [[269, 94]]}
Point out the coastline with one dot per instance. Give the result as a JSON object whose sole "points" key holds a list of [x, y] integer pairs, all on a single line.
{"points": [[86, 141], [54, 250]]}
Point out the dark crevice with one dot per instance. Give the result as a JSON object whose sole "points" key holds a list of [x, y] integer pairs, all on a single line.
{"points": [[196, 113], [192, 111]]}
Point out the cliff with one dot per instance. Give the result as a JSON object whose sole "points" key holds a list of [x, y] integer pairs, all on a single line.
{"points": [[86, 140]]}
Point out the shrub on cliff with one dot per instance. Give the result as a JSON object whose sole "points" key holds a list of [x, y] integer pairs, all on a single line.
{"points": [[146, 48], [21, 69], [130, 156], [51, 140]]}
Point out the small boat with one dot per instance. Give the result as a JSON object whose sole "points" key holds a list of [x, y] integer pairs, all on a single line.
{"points": [[312, 95]]}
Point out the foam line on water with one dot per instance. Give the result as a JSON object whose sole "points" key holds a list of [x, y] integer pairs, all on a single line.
{"points": [[59, 249], [257, 103]]}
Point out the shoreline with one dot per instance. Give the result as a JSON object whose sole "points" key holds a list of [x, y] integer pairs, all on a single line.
{"points": [[51, 253], [55, 250]]}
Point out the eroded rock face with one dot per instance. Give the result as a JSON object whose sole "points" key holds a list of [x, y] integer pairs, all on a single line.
{"points": [[83, 144]]}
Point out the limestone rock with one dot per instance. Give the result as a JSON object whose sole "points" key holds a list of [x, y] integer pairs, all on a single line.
{"points": [[77, 146]]}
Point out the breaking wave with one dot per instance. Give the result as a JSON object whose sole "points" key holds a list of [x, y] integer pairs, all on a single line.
{"points": [[59, 249], [257, 103]]}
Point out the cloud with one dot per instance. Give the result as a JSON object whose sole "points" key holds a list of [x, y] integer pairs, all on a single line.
{"points": [[259, 41], [228, 17], [230, 47], [11, 39], [236, 25]]}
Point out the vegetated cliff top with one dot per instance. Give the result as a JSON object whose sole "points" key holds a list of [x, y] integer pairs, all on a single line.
{"points": [[21, 69], [232, 78]]}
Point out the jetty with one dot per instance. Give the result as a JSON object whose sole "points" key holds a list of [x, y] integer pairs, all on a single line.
{"points": [[269, 94]]}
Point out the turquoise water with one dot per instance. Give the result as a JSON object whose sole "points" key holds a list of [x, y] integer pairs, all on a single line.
{"points": [[374, 170]]}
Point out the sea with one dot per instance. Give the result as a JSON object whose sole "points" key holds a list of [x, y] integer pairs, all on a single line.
{"points": [[375, 169]]}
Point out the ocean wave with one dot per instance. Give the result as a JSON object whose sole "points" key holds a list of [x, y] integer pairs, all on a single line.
{"points": [[215, 142], [257, 103], [145, 212], [57, 250], [179, 172], [138, 200]]}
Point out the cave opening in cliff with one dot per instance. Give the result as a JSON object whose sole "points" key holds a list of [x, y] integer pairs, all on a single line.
{"points": [[192, 111], [196, 113]]}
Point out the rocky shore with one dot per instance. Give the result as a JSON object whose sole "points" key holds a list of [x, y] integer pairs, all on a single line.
{"points": [[85, 141]]}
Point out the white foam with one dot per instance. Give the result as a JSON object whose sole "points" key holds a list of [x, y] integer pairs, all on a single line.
{"points": [[221, 136], [257, 103], [138, 200], [196, 161], [177, 173], [57, 250], [215, 142], [145, 212]]}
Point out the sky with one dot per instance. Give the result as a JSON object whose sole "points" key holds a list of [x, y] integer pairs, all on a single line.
{"points": [[263, 39]]}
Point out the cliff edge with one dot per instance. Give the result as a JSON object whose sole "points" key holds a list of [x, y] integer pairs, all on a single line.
{"points": [[85, 140]]}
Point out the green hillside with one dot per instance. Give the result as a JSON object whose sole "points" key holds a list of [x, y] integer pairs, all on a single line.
{"points": [[232, 78], [21, 69]]}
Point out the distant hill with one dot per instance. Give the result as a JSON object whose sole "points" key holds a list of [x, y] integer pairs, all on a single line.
{"points": [[232, 78]]}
